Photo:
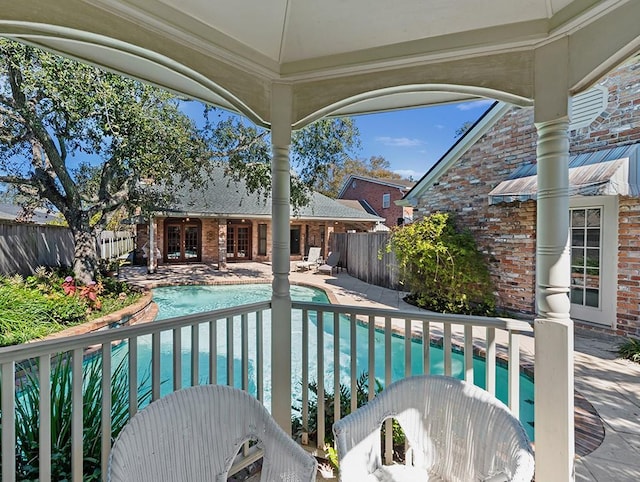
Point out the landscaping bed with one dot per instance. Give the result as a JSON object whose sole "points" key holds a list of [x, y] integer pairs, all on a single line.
{"points": [[49, 302]]}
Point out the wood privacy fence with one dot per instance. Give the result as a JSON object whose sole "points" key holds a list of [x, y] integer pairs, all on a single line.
{"points": [[24, 247], [364, 256]]}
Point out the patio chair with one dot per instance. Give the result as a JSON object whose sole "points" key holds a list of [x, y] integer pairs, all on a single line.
{"points": [[455, 431], [332, 261], [314, 258], [194, 435]]}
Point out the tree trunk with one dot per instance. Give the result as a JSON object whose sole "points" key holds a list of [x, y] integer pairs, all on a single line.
{"points": [[85, 254]]}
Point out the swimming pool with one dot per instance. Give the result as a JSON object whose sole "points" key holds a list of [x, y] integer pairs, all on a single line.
{"points": [[184, 300]]}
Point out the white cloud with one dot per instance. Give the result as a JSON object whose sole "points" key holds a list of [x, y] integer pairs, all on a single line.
{"points": [[399, 141], [474, 104], [409, 173], [439, 126]]}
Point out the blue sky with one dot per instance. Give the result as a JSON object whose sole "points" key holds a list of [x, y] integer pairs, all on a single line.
{"points": [[413, 140]]}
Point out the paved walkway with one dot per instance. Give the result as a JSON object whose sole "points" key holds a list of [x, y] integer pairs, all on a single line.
{"points": [[610, 384]]}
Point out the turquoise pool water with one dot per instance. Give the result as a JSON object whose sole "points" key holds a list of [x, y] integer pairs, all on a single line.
{"points": [[183, 300]]}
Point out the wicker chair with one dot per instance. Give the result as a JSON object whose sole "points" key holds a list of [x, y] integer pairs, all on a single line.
{"points": [[194, 435], [456, 432]]}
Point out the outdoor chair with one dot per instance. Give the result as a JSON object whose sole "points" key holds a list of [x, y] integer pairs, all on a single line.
{"points": [[332, 261], [194, 435], [314, 258], [455, 431]]}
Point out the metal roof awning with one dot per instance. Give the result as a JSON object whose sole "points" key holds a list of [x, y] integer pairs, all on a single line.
{"points": [[608, 172]]}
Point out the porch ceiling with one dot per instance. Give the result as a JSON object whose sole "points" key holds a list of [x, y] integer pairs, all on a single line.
{"points": [[340, 57]]}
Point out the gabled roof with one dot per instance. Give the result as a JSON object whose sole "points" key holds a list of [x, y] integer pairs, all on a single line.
{"points": [[227, 198], [455, 152], [584, 107], [402, 184]]}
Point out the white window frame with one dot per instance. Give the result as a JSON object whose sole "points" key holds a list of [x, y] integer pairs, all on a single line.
{"points": [[606, 314], [386, 200]]}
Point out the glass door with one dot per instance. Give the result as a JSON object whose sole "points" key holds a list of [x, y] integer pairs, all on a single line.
{"points": [[191, 243], [238, 242], [182, 239], [174, 242]]}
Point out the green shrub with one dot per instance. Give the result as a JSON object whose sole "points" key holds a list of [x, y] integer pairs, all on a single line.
{"points": [[442, 268], [26, 313], [630, 349], [36, 306], [27, 419]]}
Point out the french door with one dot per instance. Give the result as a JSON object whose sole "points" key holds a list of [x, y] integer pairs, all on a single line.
{"points": [[183, 241], [239, 242]]}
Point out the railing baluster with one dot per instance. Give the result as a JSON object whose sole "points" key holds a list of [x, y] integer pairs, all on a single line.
{"points": [[106, 407], [9, 421], [336, 367], [230, 361], [133, 375], [305, 377], [407, 347], [490, 361], [260, 357], [320, 381], [426, 347], [195, 354], [155, 366], [177, 358], [245, 350], [244, 362], [446, 349], [213, 352], [76, 415], [468, 353], [44, 437], [353, 358], [514, 373], [388, 424], [372, 357]]}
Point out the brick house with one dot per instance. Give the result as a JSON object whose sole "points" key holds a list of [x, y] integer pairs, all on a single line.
{"points": [[223, 223], [488, 179], [379, 196]]}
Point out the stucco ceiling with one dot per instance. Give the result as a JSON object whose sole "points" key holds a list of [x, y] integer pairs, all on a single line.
{"points": [[339, 56]]}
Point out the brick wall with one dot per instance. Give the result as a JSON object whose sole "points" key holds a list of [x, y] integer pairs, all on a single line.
{"points": [[506, 232], [372, 192]]}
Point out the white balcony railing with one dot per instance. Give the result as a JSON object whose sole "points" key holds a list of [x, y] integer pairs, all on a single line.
{"points": [[199, 348]]}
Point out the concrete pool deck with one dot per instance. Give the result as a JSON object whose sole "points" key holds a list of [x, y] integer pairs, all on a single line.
{"points": [[610, 384]]}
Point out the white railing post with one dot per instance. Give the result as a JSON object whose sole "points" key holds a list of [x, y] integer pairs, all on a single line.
{"points": [[281, 299], [554, 405]]}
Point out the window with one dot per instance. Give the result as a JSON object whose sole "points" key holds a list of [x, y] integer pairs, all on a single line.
{"points": [[593, 225], [386, 200], [262, 239], [586, 231]]}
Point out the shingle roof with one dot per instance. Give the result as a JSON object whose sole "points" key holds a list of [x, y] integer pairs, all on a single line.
{"points": [[12, 211], [224, 197], [402, 184]]}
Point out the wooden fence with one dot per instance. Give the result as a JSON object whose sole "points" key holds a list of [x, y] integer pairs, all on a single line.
{"points": [[24, 247], [364, 256]]}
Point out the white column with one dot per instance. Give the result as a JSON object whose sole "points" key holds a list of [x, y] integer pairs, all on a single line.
{"points": [[281, 299], [554, 382], [151, 253]]}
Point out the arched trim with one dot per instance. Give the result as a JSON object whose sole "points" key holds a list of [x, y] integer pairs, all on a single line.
{"points": [[462, 91], [198, 86]]}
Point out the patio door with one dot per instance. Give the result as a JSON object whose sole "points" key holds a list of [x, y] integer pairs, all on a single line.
{"points": [[182, 241], [238, 242]]}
